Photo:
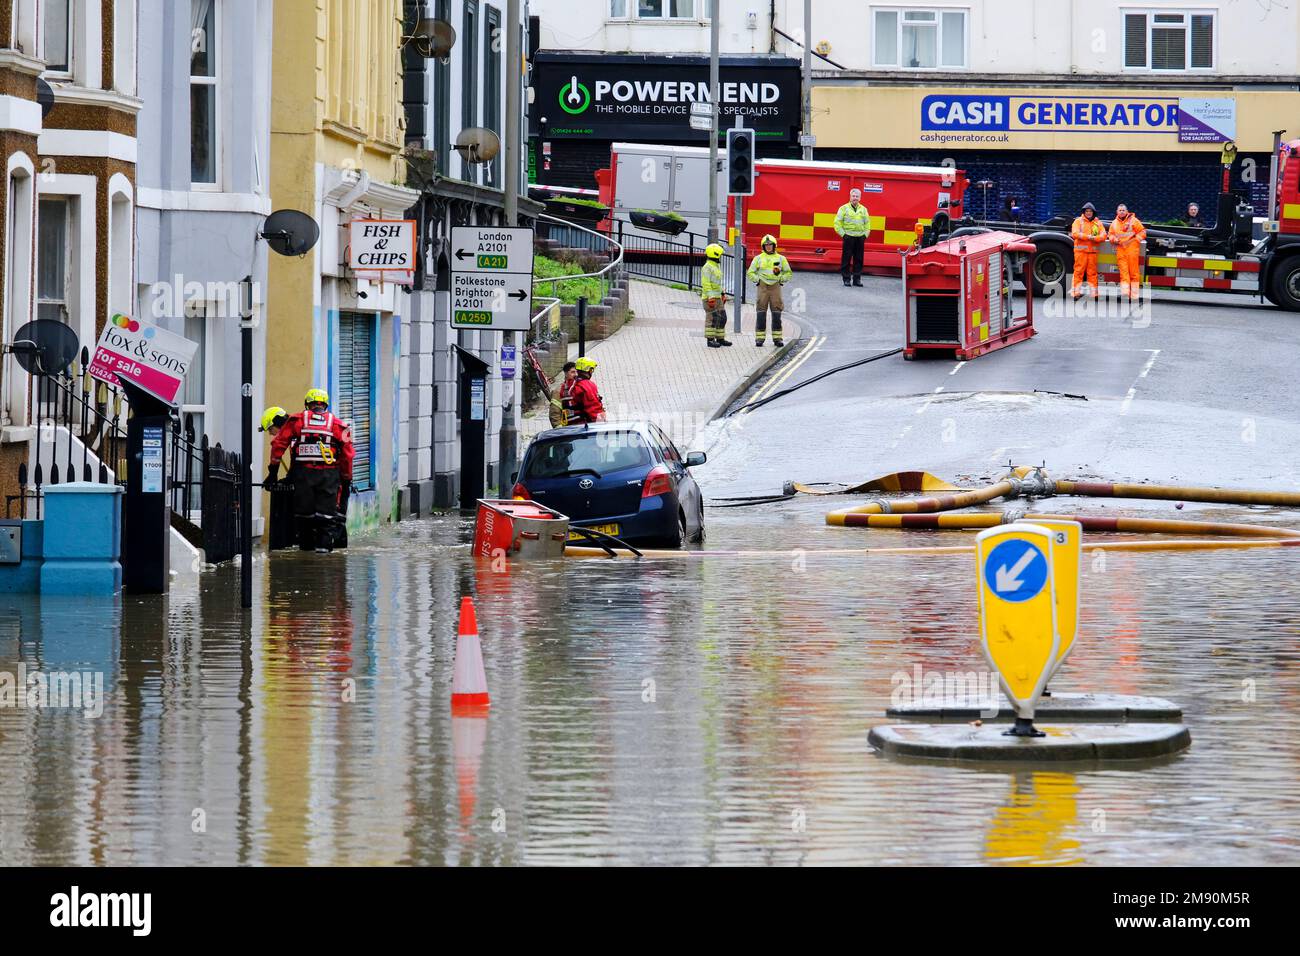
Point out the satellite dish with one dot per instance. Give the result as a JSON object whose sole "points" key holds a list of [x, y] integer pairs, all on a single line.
{"points": [[44, 96], [432, 38], [290, 232], [45, 346], [477, 144]]}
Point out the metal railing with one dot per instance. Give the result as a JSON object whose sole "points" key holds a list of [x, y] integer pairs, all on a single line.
{"points": [[71, 409], [80, 437], [596, 285], [676, 259]]}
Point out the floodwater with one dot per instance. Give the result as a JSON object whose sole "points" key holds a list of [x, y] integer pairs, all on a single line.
{"points": [[695, 711]]}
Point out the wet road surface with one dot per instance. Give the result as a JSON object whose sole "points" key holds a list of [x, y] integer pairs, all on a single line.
{"points": [[710, 711], [677, 711]]}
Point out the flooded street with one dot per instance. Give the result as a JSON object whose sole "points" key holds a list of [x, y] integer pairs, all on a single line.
{"points": [[671, 711]]}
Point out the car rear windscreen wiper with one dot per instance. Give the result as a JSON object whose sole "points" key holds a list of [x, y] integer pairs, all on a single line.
{"points": [[579, 471]]}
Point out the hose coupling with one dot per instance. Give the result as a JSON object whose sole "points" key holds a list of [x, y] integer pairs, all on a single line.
{"points": [[884, 506], [1012, 515], [788, 488]]}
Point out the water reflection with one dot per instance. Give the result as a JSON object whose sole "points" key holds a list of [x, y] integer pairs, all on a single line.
{"points": [[1035, 824], [673, 712]]}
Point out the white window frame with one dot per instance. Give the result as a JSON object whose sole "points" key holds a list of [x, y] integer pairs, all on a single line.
{"points": [[207, 311], [25, 32], [938, 12], [1186, 13], [80, 190], [632, 13], [218, 27], [70, 70], [20, 241], [69, 264]]}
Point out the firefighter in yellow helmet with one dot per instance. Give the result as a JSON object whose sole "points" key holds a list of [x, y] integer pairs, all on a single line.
{"points": [[273, 419], [713, 297], [769, 271], [587, 405], [321, 470]]}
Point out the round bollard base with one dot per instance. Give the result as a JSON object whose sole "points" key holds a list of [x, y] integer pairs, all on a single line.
{"points": [[1062, 706], [1073, 743]]}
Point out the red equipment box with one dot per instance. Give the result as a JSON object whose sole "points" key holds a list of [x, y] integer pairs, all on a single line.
{"points": [[797, 201], [518, 527], [958, 295]]}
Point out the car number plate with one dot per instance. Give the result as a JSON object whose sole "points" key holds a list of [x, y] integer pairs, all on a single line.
{"points": [[611, 529]]}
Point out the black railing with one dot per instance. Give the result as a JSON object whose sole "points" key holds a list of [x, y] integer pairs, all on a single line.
{"points": [[221, 502], [87, 411], [80, 437], [676, 260]]}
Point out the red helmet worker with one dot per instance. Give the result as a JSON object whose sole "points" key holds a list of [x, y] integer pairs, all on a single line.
{"points": [[321, 470]]}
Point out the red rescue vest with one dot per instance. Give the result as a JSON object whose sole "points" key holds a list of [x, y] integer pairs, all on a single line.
{"points": [[317, 446]]}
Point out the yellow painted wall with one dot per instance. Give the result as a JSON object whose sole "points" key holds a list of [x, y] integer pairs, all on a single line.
{"points": [[359, 85], [336, 101], [889, 117], [296, 113]]}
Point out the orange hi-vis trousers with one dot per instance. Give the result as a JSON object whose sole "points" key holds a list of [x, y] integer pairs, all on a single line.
{"points": [[1129, 259], [1085, 267]]}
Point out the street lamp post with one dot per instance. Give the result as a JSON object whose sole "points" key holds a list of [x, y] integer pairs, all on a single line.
{"points": [[713, 125], [246, 443]]}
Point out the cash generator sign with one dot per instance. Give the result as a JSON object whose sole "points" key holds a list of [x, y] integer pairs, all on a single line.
{"points": [[1189, 120]]}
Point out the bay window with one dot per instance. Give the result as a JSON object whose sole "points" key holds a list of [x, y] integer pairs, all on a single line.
{"points": [[57, 27], [203, 93]]}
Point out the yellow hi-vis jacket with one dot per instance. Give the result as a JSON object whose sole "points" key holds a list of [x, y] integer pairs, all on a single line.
{"points": [[853, 222], [711, 280], [771, 269]]}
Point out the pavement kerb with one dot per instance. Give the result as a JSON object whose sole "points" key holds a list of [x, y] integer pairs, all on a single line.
{"points": [[755, 374]]}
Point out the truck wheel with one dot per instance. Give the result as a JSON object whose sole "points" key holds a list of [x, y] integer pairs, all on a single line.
{"points": [[1285, 284], [1051, 266]]}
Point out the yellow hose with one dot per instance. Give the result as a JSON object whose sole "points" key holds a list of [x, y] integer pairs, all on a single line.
{"points": [[962, 499], [1092, 525], [1176, 545], [1223, 496]]}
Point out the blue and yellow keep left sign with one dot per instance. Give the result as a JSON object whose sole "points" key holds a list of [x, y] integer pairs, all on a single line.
{"points": [[1067, 570], [1018, 609]]}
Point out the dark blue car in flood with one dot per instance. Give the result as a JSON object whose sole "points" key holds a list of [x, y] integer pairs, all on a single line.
{"points": [[626, 479]]}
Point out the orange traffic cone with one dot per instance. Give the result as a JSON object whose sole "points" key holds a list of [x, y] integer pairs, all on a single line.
{"points": [[468, 735], [469, 694]]}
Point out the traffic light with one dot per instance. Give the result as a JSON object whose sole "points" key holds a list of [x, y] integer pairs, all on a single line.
{"points": [[740, 162]]}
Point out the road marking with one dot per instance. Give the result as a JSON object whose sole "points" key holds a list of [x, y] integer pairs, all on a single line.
{"points": [[1132, 392], [781, 376], [956, 368]]}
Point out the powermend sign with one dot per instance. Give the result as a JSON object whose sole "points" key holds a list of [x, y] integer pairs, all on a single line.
{"points": [[491, 278], [647, 98], [936, 117], [151, 358]]}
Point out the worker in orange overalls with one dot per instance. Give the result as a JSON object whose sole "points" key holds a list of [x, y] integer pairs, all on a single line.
{"points": [[1088, 234], [1128, 234]]}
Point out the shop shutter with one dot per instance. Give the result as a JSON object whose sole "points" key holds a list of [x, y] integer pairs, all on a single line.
{"points": [[1135, 40], [356, 336]]}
